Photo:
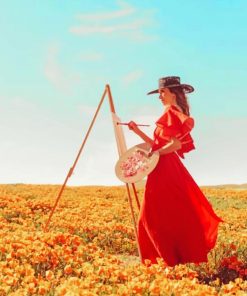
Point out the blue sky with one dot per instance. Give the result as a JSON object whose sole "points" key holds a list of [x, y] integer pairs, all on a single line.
{"points": [[57, 56]]}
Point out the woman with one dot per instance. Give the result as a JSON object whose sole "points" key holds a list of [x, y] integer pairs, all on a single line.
{"points": [[176, 221]]}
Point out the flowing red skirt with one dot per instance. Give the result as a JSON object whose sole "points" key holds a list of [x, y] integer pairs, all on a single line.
{"points": [[176, 221]]}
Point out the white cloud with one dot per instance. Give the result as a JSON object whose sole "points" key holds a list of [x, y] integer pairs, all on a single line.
{"points": [[128, 23], [132, 77], [125, 10], [61, 78], [106, 29]]}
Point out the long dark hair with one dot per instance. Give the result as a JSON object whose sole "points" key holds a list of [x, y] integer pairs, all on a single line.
{"points": [[181, 99]]}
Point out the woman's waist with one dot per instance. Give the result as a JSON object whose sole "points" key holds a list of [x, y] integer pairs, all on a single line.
{"points": [[169, 154]]}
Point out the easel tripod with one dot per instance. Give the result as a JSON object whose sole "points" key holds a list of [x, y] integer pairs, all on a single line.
{"points": [[121, 149]]}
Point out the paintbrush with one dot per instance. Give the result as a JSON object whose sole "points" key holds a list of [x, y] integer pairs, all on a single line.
{"points": [[124, 123]]}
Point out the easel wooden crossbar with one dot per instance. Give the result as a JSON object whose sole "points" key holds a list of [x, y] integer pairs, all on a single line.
{"points": [[107, 92]]}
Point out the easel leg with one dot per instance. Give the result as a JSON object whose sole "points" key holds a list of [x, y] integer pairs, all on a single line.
{"points": [[136, 196], [133, 219]]}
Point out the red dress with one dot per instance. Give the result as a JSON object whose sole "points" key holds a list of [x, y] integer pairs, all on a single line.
{"points": [[176, 221]]}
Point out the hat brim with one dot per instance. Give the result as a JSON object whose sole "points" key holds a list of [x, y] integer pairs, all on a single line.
{"points": [[186, 88]]}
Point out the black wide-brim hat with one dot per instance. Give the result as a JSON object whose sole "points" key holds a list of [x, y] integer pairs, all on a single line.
{"points": [[170, 82]]}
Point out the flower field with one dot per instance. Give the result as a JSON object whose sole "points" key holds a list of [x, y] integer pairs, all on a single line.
{"points": [[90, 247]]}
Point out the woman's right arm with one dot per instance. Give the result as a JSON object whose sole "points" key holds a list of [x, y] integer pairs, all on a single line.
{"points": [[144, 137], [141, 134]]}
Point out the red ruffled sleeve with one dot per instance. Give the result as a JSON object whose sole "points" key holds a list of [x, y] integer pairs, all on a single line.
{"points": [[174, 123]]}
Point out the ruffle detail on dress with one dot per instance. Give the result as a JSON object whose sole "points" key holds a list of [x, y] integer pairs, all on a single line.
{"points": [[174, 123]]}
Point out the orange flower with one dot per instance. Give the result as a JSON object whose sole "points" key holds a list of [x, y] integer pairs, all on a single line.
{"points": [[49, 275], [31, 288], [68, 269], [42, 290]]}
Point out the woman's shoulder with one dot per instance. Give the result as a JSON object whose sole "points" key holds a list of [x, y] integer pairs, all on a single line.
{"points": [[176, 111], [173, 116], [173, 111], [173, 107]]}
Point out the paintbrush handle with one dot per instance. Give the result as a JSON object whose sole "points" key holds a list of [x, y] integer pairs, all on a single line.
{"points": [[123, 123]]}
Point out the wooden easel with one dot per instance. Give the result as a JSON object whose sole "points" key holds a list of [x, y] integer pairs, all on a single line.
{"points": [[107, 92]]}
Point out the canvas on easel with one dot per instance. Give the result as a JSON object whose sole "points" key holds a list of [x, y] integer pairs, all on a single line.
{"points": [[119, 134]]}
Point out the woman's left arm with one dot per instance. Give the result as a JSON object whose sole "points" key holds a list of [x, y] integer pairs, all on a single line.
{"points": [[172, 146]]}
